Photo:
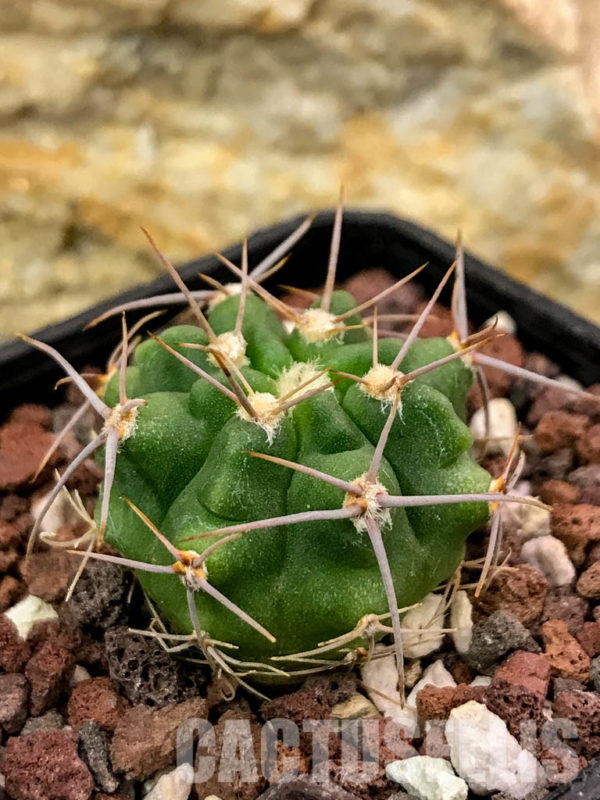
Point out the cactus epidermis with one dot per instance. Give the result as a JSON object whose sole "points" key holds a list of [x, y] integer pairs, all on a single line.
{"points": [[191, 466]]}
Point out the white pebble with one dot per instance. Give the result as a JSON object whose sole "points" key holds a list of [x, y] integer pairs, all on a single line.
{"points": [[357, 706], [503, 321], [485, 754], [380, 679], [428, 778], [550, 556], [530, 521], [59, 513], [79, 674], [502, 427], [481, 680], [421, 627], [174, 785], [28, 611], [436, 674], [461, 619]]}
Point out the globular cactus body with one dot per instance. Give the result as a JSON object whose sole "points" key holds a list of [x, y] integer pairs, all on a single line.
{"points": [[190, 466]]}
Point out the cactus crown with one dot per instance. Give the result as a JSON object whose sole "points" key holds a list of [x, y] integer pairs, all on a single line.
{"points": [[283, 491]]}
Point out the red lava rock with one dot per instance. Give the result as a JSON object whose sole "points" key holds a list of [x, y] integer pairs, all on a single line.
{"points": [[22, 447], [589, 638], [565, 655], [439, 323], [518, 689], [563, 603], [140, 755], [587, 480], [461, 671], [48, 574], [14, 652], [505, 348], [45, 766], [8, 559], [314, 700], [588, 446], [555, 399], [369, 282], [31, 412], [12, 507], [559, 493], [588, 584], [434, 702], [560, 764], [96, 699], [577, 526], [582, 708], [521, 590], [14, 693], [10, 591], [10, 536], [48, 671], [558, 429]]}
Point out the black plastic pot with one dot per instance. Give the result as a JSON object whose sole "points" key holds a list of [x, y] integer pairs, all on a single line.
{"points": [[369, 239]]}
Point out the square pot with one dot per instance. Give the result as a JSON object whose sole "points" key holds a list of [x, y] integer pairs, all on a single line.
{"points": [[369, 239]]}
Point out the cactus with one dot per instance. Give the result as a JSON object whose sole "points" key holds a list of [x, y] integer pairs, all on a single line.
{"points": [[287, 492]]}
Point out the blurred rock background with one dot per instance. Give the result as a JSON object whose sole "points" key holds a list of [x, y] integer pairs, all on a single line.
{"points": [[204, 119]]}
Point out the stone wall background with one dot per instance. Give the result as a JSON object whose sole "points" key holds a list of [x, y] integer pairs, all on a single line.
{"points": [[204, 119]]}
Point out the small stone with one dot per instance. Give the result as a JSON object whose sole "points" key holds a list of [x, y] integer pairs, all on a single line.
{"points": [[588, 584], [23, 445], [495, 637], [562, 603], [502, 427], [421, 627], [14, 651], [559, 429], [583, 709], [28, 612], [566, 685], [554, 466], [146, 673], [10, 590], [587, 480], [413, 671], [94, 747], [588, 446], [14, 694], [141, 756], [520, 589], [436, 675], [559, 493], [529, 521], [549, 555], [357, 706], [436, 702], [48, 672], [79, 675], [577, 526], [174, 785], [595, 674], [589, 637], [484, 753], [45, 766], [50, 721], [428, 778], [96, 699], [99, 597], [461, 619], [565, 655], [380, 679], [518, 690], [48, 574], [505, 348]]}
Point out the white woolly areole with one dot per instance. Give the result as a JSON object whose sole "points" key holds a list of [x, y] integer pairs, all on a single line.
{"points": [[268, 414], [377, 379], [229, 290], [233, 345], [298, 374], [124, 422], [372, 491], [317, 325]]}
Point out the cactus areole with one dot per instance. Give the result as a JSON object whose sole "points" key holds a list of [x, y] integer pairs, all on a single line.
{"points": [[190, 461]]}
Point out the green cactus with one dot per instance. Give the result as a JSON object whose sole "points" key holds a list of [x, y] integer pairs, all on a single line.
{"points": [[275, 488]]}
